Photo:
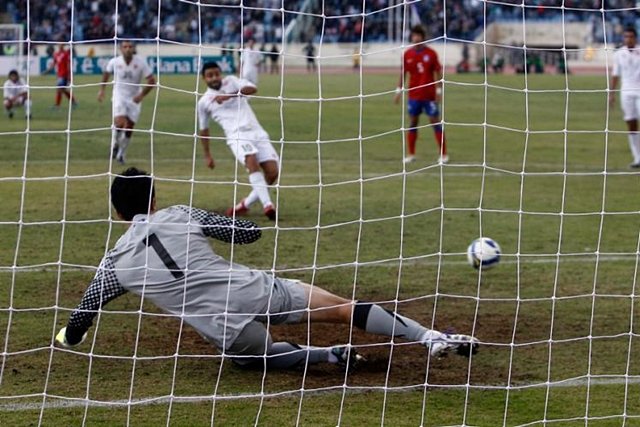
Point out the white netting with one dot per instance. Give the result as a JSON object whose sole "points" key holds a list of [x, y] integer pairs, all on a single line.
{"points": [[538, 161]]}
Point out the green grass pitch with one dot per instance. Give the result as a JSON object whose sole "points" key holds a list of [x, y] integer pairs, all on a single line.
{"points": [[531, 166]]}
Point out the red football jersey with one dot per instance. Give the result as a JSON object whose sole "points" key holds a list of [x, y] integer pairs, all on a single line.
{"points": [[63, 63], [422, 63]]}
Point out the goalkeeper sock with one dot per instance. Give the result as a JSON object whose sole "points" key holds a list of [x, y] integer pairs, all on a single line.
{"points": [[634, 144], [376, 320], [285, 355], [259, 185]]}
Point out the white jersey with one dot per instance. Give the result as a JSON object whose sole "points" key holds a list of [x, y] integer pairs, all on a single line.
{"points": [[626, 65], [127, 77], [13, 89], [235, 115], [250, 62]]}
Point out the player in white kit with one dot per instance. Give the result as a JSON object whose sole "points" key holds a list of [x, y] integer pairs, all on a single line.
{"points": [[250, 60], [166, 258], [128, 71], [225, 101], [626, 67], [15, 94]]}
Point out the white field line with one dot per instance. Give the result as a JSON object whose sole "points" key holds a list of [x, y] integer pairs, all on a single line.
{"points": [[57, 402]]}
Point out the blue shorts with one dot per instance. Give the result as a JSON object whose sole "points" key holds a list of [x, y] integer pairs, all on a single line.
{"points": [[430, 108], [62, 82]]}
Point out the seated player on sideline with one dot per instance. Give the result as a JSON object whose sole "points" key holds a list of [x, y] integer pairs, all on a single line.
{"points": [[15, 94], [227, 303], [225, 101]]}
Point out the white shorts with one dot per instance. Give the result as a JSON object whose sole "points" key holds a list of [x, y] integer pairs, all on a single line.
{"points": [[630, 104], [17, 103], [126, 107], [248, 143]]}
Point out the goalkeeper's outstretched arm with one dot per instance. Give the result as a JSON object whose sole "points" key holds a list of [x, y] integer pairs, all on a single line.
{"points": [[103, 288], [223, 228]]}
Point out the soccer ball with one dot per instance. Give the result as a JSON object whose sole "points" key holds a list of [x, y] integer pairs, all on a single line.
{"points": [[483, 253]]}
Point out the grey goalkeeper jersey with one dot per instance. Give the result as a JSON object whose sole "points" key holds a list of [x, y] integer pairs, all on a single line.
{"points": [[166, 258]]}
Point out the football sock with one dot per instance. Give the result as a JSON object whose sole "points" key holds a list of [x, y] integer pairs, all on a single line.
{"points": [[27, 107], [284, 355], [412, 136], [124, 143], [58, 98], [259, 185], [634, 144], [376, 320], [440, 140], [250, 199], [115, 138]]}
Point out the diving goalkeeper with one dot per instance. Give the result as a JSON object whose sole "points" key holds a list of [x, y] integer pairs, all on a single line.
{"points": [[165, 257]]}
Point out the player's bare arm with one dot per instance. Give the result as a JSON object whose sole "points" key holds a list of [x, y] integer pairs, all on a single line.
{"points": [[103, 85], [437, 77], [151, 82], [398, 96], [204, 140]]}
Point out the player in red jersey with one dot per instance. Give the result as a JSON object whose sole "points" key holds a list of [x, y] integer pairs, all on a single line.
{"points": [[62, 63], [425, 71]]}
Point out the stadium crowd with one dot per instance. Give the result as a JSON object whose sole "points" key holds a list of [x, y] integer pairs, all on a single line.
{"points": [[264, 21]]}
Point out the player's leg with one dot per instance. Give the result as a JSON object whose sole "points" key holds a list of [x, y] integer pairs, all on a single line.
{"points": [[8, 107], [431, 108], [254, 347], [125, 139], [258, 182], [59, 90], [26, 101], [414, 108], [118, 132], [246, 151], [327, 307], [631, 110]]}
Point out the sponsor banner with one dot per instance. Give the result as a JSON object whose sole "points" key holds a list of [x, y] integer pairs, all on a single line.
{"points": [[163, 64]]}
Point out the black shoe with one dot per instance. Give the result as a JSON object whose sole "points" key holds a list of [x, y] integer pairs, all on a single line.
{"points": [[10, 114], [348, 356], [635, 165]]}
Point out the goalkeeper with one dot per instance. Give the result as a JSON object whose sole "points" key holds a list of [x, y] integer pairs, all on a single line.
{"points": [[165, 257]]}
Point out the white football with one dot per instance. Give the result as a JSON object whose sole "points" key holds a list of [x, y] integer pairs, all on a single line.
{"points": [[484, 253]]}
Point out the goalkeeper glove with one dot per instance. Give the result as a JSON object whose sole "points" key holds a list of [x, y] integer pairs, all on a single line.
{"points": [[61, 339]]}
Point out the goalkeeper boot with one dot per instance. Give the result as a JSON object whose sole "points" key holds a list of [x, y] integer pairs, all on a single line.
{"points": [[464, 345], [238, 210], [348, 356]]}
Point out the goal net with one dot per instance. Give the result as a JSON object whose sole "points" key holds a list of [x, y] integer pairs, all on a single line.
{"points": [[537, 159]]}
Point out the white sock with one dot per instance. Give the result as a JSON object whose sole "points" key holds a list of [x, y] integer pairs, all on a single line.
{"points": [[115, 138], [27, 107], [259, 185], [250, 199], [124, 143], [634, 144]]}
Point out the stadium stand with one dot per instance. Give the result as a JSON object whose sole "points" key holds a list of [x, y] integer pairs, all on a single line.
{"points": [[462, 19]]}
